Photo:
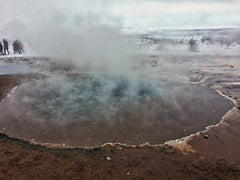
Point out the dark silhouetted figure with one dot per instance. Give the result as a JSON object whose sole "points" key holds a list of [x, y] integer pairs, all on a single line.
{"points": [[193, 46], [1, 48], [5, 44], [17, 47]]}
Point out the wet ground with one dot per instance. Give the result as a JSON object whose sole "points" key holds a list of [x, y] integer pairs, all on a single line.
{"points": [[210, 154], [223, 140], [14, 69]]}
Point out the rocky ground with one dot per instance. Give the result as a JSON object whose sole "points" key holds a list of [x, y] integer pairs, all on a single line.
{"points": [[211, 154]]}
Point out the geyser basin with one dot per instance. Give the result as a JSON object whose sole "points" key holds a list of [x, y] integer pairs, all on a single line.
{"points": [[95, 109]]}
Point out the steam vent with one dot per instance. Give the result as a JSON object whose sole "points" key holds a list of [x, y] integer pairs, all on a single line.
{"points": [[92, 110]]}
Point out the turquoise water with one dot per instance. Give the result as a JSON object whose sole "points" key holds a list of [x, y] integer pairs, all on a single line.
{"points": [[90, 97]]}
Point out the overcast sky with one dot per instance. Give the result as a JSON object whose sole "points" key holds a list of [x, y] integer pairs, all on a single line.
{"points": [[178, 13], [128, 13]]}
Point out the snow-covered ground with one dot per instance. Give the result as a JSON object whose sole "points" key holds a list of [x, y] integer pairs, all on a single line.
{"points": [[176, 42], [166, 50]]}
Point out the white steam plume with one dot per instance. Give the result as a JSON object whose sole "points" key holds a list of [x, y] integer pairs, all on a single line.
{"points": [[78, 31]]}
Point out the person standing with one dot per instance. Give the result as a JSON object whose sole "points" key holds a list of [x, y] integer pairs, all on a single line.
{"points": [[5, 44], [15, 47], [21, 47], [1, 48]]}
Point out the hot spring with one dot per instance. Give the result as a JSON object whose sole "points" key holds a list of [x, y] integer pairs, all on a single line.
{"points": [[90, 110]]}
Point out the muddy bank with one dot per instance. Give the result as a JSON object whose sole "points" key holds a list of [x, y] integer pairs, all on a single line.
{"points": [[21, 159], [223, 140], [8, 82]]}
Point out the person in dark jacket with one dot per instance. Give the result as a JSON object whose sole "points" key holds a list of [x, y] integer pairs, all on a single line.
{"points": [[1, 48], [16, 47], [5, 44]]}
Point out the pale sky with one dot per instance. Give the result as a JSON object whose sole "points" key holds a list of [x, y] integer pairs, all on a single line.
{"points": [[178, 13], [128, 13]]}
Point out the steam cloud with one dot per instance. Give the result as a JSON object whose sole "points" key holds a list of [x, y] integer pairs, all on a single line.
{"points": [[82, 32]]}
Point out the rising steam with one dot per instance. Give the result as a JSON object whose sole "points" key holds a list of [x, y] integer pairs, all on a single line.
{"points": [[82, 32]]}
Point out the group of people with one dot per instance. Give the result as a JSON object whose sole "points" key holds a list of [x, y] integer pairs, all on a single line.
{"points": [[17, 47]]}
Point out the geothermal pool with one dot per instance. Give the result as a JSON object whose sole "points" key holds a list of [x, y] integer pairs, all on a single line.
{"points": [[90, 110]]}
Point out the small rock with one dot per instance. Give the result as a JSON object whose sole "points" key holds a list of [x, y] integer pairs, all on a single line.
{"points": [[120, 148], [232, 66], [206, 136], [109, 159], [128, 173]]}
